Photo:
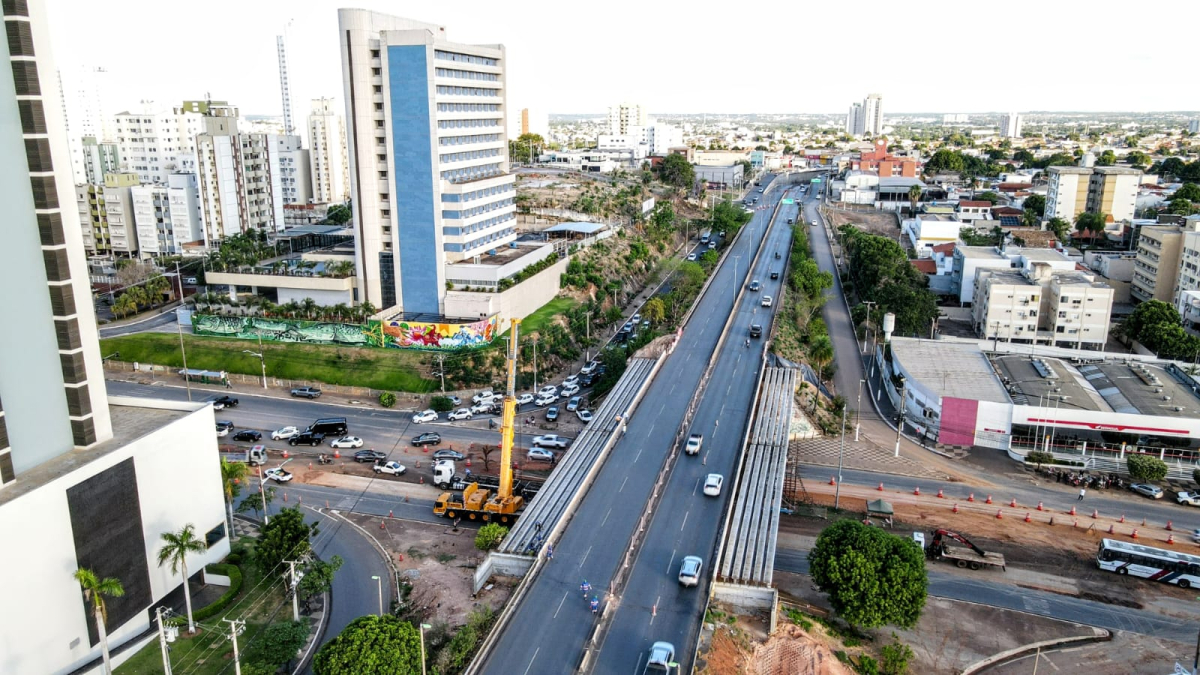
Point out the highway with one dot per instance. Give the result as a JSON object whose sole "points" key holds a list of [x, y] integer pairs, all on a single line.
{"points": [[548, 631]]}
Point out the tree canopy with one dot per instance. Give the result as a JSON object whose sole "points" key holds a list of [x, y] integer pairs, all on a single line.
{"points": [[338, 214], [677, 171], [1156, 324], [1093, 222], [286, 537], [1146, 468], [372, 645], [1189, 191], [278, 644], [882, 273], [873, 578], [1036, 204]]}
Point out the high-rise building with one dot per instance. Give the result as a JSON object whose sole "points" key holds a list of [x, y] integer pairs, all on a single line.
{"points": [[1194, 126], [529, 122], [866, 118], [625, 115], [99, 159], [854, 120], [428, 156], [1159, 258], [295, 170], [1111, 190], [1010, 125], [284, 87], [106, 215], [167, 216], [88, 111], [327, 145], [154, 143]]}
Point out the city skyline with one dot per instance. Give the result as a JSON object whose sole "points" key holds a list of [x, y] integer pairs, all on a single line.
{"points": [[147, 62]]}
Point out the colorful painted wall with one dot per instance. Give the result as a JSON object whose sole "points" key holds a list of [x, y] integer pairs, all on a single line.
{"points": [[393, 334], [421, 335]]}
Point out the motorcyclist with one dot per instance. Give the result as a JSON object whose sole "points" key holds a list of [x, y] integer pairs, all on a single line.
{"points": [[585, 587], [595, 603]]}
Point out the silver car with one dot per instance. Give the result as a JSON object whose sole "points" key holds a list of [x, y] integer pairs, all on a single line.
{"points": [[689, 570]]}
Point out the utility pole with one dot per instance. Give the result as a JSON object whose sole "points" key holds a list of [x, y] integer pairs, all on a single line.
{"points": [[900, 420], [869, 304], [858, 410], [262, 492], [535, 363], [235, 629], [587, 340], [837, 490], [187, 379], [441, 358], [162, 641], [294, 582]]}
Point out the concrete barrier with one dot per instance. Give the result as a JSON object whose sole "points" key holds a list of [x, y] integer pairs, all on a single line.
{"points": [[1098, 635]]}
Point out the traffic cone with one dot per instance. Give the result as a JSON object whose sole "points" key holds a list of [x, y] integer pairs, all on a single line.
{"points": [[468, 462], [418, 463], [917, 490], [955, 509], [1072, 510], [337, 454], [1122, 518], [1028, 519], [1076, 523], [400, 556], [1112, 529], [285, 496], [381, 524], [999, 515], [422, 480], [971, 497], [389, 513], [1169, 528], [940, 495], [1134, 535], [1040, 508], [310, 465], [1171, 539], [285, 453], [880, 488], [1013, 503], [832, 481], [1095, 514], [989, 500]]}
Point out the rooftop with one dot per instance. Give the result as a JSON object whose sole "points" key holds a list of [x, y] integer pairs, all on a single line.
{"points": [[959, 370], [504, 254], [579, 228], [1037, 380], [983, 204], [1147, 389]]}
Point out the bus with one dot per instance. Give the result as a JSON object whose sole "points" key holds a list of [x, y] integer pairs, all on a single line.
{"points": [[1148, 562]]}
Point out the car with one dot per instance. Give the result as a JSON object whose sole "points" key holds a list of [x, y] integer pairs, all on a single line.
{"points": [[427, 438], [485, 395], [588, 380], [661, 658], [278, 474], [540, 454], [712, 245], [544, 400], [755, 330], [394, 468], [284, 433], [460, 414], [548, 390], [425, 416], [774, 274], [573, 379], [481, 408], [570, 390], [588, 368], [306, 392], [713, 483], [371, 456], [552, 441], [766, 301], [692, 257], [573, 404], [551, 413], [754, 285], [791, 221], [223, 429], [1151, 491], [191, 281], [525, 398], [1189, 498], [636, 317], [1196, 535], [628, 327], [247, 435], [449, 454], [307, 438], [689, 570], [693, 444], [222, 402], [348, 442], [760, 189], [645, 323], [584, 416], [813, 223]]}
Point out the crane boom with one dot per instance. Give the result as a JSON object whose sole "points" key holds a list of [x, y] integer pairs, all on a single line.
{"points": [[505, 491]]}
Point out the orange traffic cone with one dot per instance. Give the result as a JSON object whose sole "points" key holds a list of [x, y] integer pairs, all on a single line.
{"points": [[940, 495], [1027, 518], [1122, 518], [285, 453], [999, 515], [422, 479], [1169, 528], [1095, 513], [337, 454], [1171, 539], [381, 524], [832, 481], [971, 497], [989, 500], [880, 488], [917, 490], [1134, 535], [389, 513], [1013, 503], [955, 509], [1072, 510], [1112, 529], [468, 462], [1040, 508]]}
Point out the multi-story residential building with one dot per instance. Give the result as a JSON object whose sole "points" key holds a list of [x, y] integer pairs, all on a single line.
{"points": [[1194, 126], [1010, 125], [854, 120], [106, 216], [428, 156], [327, 147], [1111, 190], [81, 475], [99, 159], [167, 216], [625, 115], [1159, 252], [968, 260], [662, 137], [1040, 304], [155, 144], [88, 112], [1187, 281], [529, 122], [295, 170], [866, 117]]}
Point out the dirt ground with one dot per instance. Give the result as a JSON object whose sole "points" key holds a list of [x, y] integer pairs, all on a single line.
{"points": [[740, 645], [882, 223], [440, 564]]}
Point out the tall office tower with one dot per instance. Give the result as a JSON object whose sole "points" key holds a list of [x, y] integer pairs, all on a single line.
{"points": [[284, 89], [854, 119], [872, 115], [625, 115], [157, 143], [88, 111], [1010, 126], [428, 156], [327, 146]]}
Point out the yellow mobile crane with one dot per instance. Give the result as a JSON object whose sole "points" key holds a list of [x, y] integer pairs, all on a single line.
{"points": [[476, 502]]}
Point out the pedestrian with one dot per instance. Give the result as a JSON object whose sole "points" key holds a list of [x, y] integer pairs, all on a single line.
{"points": [[1082, 492], [549, 551]]}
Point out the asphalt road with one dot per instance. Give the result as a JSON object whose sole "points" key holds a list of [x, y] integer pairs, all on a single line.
{"points": [[150, 323]]}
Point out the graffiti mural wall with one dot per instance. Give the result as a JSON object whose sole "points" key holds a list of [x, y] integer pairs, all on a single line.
{"points": [[421, 335]]}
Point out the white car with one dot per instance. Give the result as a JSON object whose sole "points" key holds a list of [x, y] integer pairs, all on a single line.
{"points": [[525, 398], [544, 400], [766, 301], [482, 396], [352, 442], [584, 416], [693, 444], [455, 400], [552, 441], [540, 454], [222, 431], [278, 474], [574, 379], [284, 433], [691, 257], [589, 367], [813, 223], [1189, 498], [713, 483], [425, 416], [481, 408], [548, 390], [689, 570], [573, 404], [460, 414], [394, 468], [569, 390]]}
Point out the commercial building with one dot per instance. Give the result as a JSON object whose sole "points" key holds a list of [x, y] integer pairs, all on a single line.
{"points": [[1010, 125], [106, 216], [83, 477], [428, 156], [1110, 190], [625, 115], [154, 144], [1159, 257], [1042, 305], [168, 216], [327, 148]]}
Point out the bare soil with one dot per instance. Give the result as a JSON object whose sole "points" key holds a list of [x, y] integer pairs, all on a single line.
{"points": [[743, 647], [882, 223]]}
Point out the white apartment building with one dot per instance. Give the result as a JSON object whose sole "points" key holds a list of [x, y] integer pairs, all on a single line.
{"points": [[106, 216], [866, 117], [155, 144], [168, 216], [968, 260], [929, 230], [625, 115], [99, 159], [88, 113], [1187, 280], [1010, 125], [661, 137], [1040, 304], [295, 170], [327, 148], [81, 474], [426, 125], [854, 120], [1110, 190]]}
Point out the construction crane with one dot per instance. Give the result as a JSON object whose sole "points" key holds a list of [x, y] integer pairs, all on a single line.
{"points": [[477, 502]]}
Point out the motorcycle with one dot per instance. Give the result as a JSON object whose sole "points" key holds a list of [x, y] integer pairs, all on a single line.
{"points": [[323, 459], [777, 255]]}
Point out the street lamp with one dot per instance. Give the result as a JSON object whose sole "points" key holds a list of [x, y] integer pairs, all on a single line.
{"points": [[262, 361], [379, 584], [900, 418], [837, 491], [858, 410], [424, 627]]}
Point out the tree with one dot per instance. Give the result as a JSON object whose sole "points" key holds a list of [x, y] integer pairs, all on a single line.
{"points": [[1106, 158], [1035, 204], [821, 352], [1024, 156], [286, 537], [318, 578], [525, 147], [677, 171], [873, 578], [708, 260], [94, 591], [1146, 468], [372, 645], [490, 536], [278, 644], [1090, 222], [232, 474], [339, 214], [989, 196], [1180, 207], [1060, 228], [1039, 458], [945, 161], [1138, 159], [914, 196], [1189, 191], [1196, 476], [894, 657], [255, 503], [654, 310], [176, 547], [1146, 314]]}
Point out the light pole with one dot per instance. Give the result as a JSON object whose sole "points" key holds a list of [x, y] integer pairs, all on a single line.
{"points": [[187, 378], [858, 410], [261, 360], [900, 418], [424, 627], [379, 583], [535, 363], [869, 304], [262, 492], [837, 490], [587, 340]]}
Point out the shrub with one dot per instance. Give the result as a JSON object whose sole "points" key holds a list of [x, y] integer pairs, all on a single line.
{"points": [[490, 536], [387, 399], [1039, 458], [895, 657], [235, 586], [441, 404], [1146, 468], [868, 665]]}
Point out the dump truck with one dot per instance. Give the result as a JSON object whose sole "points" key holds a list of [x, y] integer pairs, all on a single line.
{"points": [[967, 555], [254, 456]]}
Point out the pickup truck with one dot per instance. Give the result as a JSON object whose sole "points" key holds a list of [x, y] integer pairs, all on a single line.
{"points": [[1189, 498], [394, 468], [306, 392]]}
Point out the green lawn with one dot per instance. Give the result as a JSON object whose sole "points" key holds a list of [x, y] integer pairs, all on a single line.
{"points": [[539, 319], [391, 369]]}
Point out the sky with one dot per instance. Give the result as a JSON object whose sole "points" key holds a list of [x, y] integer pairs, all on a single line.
{"points": [[574, 57]]}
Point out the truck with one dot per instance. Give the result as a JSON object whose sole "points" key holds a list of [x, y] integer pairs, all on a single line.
{"points": [[967, 555], [444, 477], [1189, 498], [255, 456]]}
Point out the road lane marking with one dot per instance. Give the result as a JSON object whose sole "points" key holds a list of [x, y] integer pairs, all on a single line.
{"points": [[605, 518], [685, 517], [535, 653], [623, 484], [560, 604], [585, 556], [635, 457]]}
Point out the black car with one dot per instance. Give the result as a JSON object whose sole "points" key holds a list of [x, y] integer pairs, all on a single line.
{"points": [[371, 456], [221, 402], [448, 454], [225, 425], [247, 435], [427, 438], [774, 274], [307, 438]]}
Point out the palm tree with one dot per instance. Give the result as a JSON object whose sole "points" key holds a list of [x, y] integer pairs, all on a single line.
{"points": [[821, 352], [176, 546], [232, 474], [94, 590], [914, 196], [310, 308]]}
